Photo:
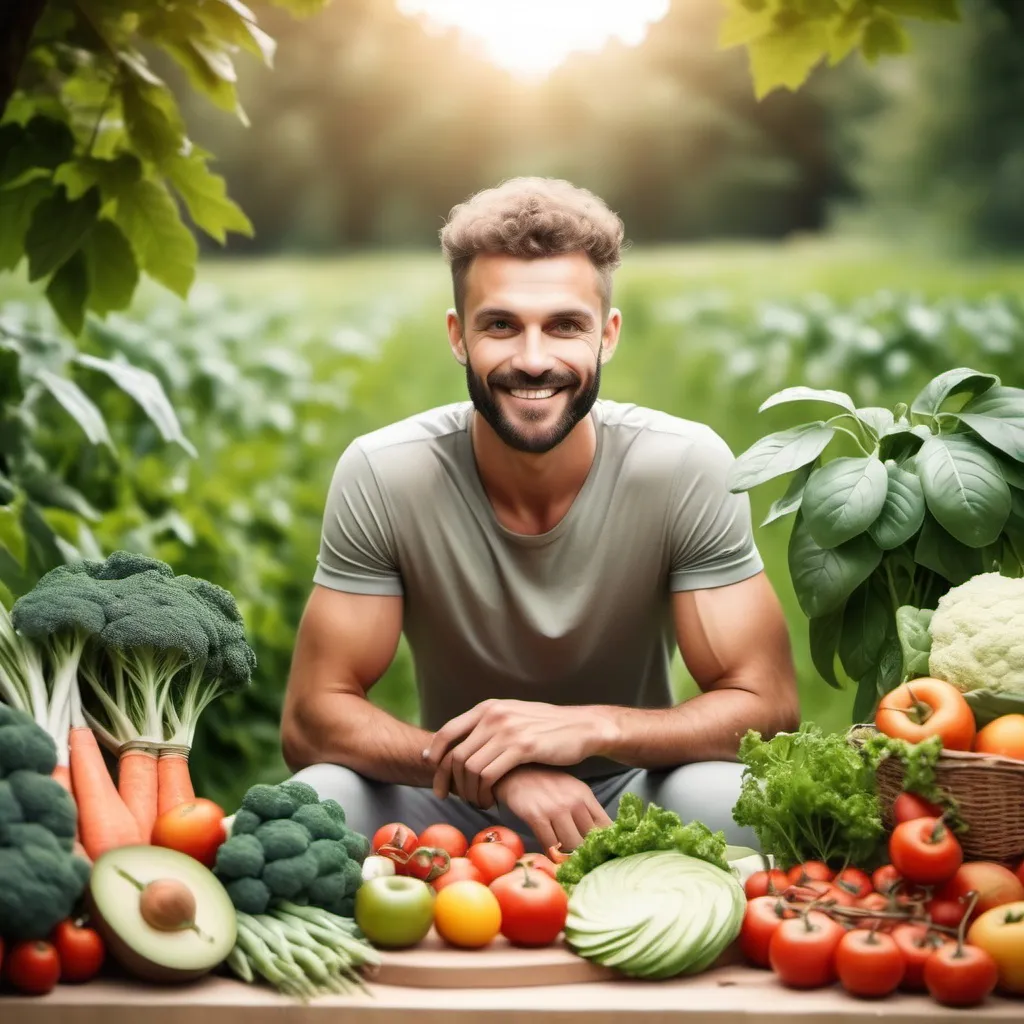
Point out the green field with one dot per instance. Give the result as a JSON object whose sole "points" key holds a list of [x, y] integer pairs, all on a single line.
{"points": [[277, 364]]}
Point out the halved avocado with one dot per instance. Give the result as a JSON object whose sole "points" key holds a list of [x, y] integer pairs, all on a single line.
{"points": [[115, 902]]}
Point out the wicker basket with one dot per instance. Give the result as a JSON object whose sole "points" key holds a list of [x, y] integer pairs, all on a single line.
{"points": [[989, 791]]}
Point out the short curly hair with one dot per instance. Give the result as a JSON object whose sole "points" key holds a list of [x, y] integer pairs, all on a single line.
{"points": [[530, 218]]}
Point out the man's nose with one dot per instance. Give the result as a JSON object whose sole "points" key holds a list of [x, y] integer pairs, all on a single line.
{"points": [[533, 355]]}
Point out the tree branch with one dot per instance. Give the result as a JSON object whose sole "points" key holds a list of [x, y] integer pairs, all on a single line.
{"points": [[17, 23]]}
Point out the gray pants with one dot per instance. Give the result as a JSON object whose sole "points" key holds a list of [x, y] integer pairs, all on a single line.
{"points": [[704, 791]]}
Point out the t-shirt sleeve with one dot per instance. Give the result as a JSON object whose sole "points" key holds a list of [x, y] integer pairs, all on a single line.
{"points": [[712, 539], [357, 544]]}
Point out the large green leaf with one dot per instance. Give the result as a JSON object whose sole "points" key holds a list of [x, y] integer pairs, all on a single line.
{"points": [[152, 118], [57, 229], [68, 292], [823, 636], [78, 405], [823, 578], [205, 195], [938, 551], [912, 625], [866, 623], [902, 511], [111, 176], [17, 206], [113, 272], [49, 491], [801, 394], [890, 666], [877, 419], [779, 453], [147, 390], [791, 500], [963, 488], [962, 380], [843, 498], [866, 698], [998, 416], [884, 35], [43, 142]]}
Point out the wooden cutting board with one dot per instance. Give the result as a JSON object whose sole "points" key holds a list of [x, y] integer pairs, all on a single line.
{"points": [[435, 964]]}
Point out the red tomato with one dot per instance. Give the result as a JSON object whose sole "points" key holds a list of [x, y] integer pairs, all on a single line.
{"points": [[962, 976], [533, 907], [802, 950], [810, 871], [500, 834], [878, 904], [994, 884], [924, 851], [885, 879], [945, 913], [909, 806], [460, 869], [854, 881], [425, 863], [760, 919], [765, 883], [538, 862], [80, 950], [396, 835], [444, 837], [195, 828], [491, 859], [33, 967], [869, 963], [917, 942]]}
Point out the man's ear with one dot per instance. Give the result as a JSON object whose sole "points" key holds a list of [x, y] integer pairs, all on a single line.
{"points": [[456, 339], [610, 334]]}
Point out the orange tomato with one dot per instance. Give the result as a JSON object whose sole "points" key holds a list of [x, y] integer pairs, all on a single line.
{"points": [[1003, 736], [459, 870], [467, 914], [924, 708], [195, 828]]}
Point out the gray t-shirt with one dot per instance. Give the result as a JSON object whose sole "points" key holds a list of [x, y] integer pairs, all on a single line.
{"points": [[581, 614]]}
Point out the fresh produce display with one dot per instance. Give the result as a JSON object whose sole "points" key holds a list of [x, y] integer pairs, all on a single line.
{"points": [[287, 844]]}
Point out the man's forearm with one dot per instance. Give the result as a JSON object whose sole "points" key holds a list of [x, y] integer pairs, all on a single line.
{"points": [[707, 727], [346, 729]]}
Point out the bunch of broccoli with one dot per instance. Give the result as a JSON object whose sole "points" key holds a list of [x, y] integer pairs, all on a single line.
{"points": [[40, 879], [287, 844]]}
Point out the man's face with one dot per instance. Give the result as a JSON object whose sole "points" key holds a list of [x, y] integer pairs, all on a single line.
{"points": [[533, 340]]}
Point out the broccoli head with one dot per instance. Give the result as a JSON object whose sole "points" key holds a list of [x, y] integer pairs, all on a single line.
{"points": [[42, 880], [295, 846]]}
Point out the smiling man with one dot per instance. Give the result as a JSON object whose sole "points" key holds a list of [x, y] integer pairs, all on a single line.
{"points": [[544, 552]]}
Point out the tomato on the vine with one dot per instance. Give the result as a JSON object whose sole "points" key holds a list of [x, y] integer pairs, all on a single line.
{"points": [[33, 967], [925, 851], [444, 837], [761, 917], [503, 835], [766, 883], [916, 942], [885, 879], [869, 963], [877, 904], [960, 975], [491, 859], [533, 907], [80, 950], [810, 871], [854, 881], [802, 950], [395, 836]]}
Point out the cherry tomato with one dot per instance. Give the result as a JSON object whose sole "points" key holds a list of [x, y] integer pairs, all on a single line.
{"points": [[1003, 736], [765, 883], [459, 869], [869, 963], [444, 837], [802, 950], [538, 862], [854, 881], [195, 828], [960, 976], [762, 916], [33, 967], [80, 950], [924, 851], [927, 707], [501, 834], [917, 942], [533, 907], [491, 859], [885, 879], [878, 904], [425, 863], [994, 884], [945, 913], [909, 806], [810, 871], [395, 835]]}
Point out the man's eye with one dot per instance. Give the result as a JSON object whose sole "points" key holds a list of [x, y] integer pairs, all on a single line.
{"points": [[501, 325], [567, 326]]}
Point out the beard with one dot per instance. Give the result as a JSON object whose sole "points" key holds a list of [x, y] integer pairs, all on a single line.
{"points": [[521, 437]]}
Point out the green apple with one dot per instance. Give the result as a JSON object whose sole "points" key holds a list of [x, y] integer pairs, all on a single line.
{"points": [[394, 911]]}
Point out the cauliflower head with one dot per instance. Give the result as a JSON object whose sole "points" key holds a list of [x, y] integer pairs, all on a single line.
{"points": [[978, 635]]}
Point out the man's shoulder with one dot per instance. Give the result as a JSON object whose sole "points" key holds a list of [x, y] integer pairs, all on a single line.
{"points": [[423, 428], [658, 430]]}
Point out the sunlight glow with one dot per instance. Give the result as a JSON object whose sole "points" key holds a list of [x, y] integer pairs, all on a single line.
{"points": [[532, 37]]}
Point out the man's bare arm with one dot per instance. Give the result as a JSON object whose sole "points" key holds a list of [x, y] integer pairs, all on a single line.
{"points": [[736, 645], [345, 644]]}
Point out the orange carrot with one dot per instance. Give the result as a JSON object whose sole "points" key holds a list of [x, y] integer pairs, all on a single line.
{"points": [[104, 821], [136, 783], [62, 774], [174, 784]]}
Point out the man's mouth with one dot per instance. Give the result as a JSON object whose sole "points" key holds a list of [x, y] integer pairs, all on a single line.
{"points": [[533, 394]]}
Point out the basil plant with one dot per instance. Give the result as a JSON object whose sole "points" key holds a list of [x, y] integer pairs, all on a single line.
{"points": [[930, 496]]}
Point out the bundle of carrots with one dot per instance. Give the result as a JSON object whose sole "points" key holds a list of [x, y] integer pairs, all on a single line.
{"points": [[124, 652]]}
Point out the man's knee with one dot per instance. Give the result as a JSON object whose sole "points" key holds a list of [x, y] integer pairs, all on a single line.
{"points": [[348, 788]]}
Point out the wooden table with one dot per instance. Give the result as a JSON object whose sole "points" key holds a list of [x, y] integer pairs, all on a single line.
{"points": [[726, 995]]}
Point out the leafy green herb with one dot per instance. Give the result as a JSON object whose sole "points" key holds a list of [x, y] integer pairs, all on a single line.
{"points": [[636, 830], [810, 796]]}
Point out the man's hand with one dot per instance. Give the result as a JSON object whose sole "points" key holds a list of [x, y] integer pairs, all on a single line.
{"points": [[472, 752], [558, 807]]}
